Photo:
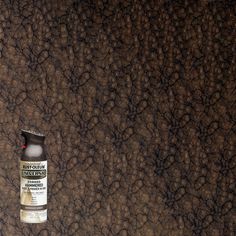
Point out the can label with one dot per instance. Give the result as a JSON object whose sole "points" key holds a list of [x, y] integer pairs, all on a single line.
{"points": [[33, 189]]}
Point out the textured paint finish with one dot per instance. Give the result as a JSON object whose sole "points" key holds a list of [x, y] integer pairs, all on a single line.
{"points": [[137, 101]]}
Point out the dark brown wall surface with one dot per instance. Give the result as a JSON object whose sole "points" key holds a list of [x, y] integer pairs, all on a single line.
{"points": [[137, 100]]}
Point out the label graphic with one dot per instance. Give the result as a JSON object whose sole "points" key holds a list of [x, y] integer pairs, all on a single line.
{"points": [[33, 184]]}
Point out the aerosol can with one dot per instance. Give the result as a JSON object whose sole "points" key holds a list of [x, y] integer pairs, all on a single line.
{"points": [[33, 179]]}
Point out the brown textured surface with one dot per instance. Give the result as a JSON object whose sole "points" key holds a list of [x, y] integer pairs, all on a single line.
{"points": [[137, 100]]}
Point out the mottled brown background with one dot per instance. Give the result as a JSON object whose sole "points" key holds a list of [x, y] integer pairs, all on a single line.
{"points": [[137, 100]]}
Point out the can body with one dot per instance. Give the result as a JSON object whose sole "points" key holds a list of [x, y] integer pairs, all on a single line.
{"points": [[33, 179], [33, 191]]}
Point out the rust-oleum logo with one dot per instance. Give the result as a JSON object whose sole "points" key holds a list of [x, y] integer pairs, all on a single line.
{"points": [[33, 171], [34, 174]]}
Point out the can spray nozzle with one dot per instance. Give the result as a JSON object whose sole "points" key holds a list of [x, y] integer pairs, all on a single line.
{"points": [[34, 142]]}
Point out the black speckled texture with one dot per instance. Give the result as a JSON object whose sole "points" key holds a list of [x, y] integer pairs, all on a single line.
{"points": [[137, 100]]}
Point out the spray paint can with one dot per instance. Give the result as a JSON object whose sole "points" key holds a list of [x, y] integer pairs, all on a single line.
{"points": [[33, 179]]}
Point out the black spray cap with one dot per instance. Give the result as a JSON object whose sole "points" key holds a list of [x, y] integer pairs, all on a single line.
{"points": [[32, 137]]}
